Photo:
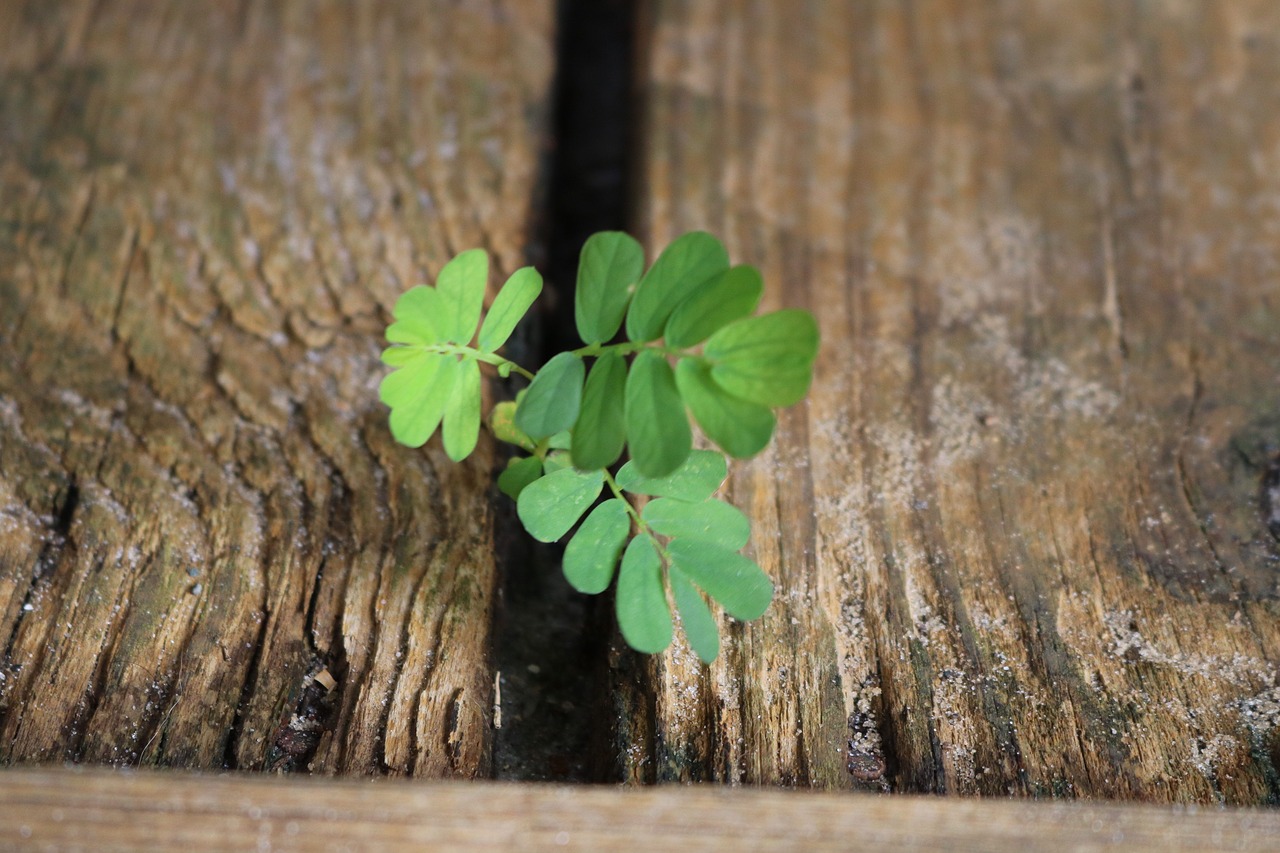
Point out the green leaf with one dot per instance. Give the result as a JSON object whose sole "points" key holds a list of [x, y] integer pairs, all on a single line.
{"points": [[683, 268], [551, 402], [462, 414], [741, 428], [518, 474], [601, 430], [694, 481], [398, 356], [695, 617], [562, 440], [643, 615], [418, 314], [730, 296], [738, 584], [657, 428], [608, 269], [417, 394], [551, 505], [766, 360], [711, 521], [508, 307], [556, 461], [461, 287], [502, 420], [593, 551]]}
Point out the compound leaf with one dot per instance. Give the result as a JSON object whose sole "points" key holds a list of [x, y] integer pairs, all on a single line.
{"points": [[740, 427], [601, 430], [418, 313], [695, 617], [509, 307], [462, 413], [643, 615], [738, 584], [711, 521], [696, 480], [730, 296], [683, 268], [417, 393], [518, 474], [552, 400], [461, 286], [608, 269], [767, 360], [593, 551], [657, 428], [551, 505]]}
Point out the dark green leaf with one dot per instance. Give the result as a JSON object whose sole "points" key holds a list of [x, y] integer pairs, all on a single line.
{"points": [[502, 420], [711, 521], [738, 584], [462, 413], [766, 360], [741, 428], [417, 394], [551, 505], [593, 551], [551, 402], [695, 618], [643, 615], [729, 296], [601, 431], [509, 307], [518, 474], [461, 288], [686, 265], [695, 481], [657, 428], [418, 314], [609, 267]]}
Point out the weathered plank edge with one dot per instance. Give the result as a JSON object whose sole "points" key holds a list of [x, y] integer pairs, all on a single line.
{"points": [[67, 808]]}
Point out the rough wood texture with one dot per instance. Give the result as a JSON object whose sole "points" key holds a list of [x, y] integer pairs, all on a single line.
{"points": [[1020, 530], [60, 810], [208, 211]]}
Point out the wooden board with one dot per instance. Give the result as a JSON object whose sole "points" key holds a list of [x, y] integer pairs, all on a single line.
{"points": [[1024, 532], [211, 552], [61, 810]]}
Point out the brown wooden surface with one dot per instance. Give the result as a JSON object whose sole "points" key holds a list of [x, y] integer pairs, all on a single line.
{"points": [[157, 811], [1019, 532], [208, 211]]}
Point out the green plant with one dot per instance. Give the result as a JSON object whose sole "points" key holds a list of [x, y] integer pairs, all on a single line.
{"points": [[731, 369]]}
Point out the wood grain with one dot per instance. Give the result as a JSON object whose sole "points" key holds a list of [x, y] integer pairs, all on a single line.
{"points": [[66, 810], [208, 212], [1020, 530]]}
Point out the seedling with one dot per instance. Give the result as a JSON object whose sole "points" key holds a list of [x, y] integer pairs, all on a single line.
{"points": [[691, 345]]}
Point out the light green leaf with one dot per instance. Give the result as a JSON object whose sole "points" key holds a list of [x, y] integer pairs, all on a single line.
{"points": [[461, 287], [608, 269], [766, 360], [711, 521], [556, 461], [741, 428], [695, 481], [657, 428], [738, 584], [641, 605], [552, 400], [683, 268], [593, 551], [398, 356], [417, 394], [601, 430], [562, 440], [418, 315], [695, 617], [502, 420], [509, 306], [730, 296], [518, 474], [462, 413], [551, 505]]}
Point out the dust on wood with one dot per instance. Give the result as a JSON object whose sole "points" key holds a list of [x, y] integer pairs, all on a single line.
{"points": [[1020, 531], [208, 212]]}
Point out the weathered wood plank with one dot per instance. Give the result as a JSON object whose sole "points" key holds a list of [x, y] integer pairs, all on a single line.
{"points": [[1020, 530], [59, 810], [208, 211]]}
